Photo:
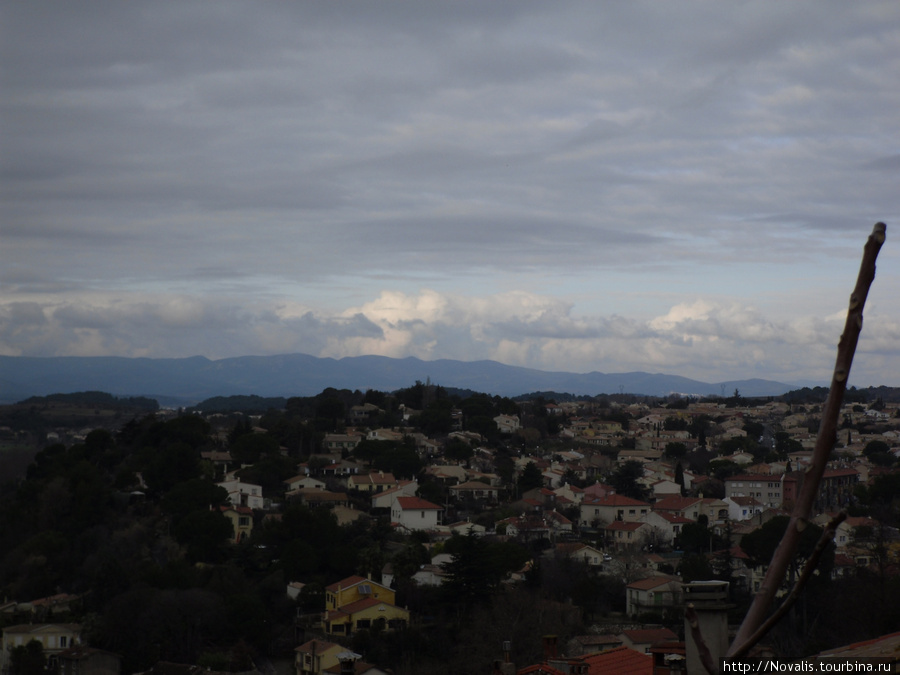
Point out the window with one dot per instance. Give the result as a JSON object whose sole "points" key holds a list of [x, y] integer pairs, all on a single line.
{"points": [[243, 521], [63, 640]]}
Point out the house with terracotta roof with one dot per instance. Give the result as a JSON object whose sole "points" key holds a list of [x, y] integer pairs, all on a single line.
{"points": [[686, 507], [315, 656], [623, 536], [668, 523], [376, 481], [743, 508], [384, 500], [652, 594], [474, 489], [618, 661], [415, 513], [580, 551], [599, 512], [364, 614], [358, 603], [54, 638], [642, 639]]}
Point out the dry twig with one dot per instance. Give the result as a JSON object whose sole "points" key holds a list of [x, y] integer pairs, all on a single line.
{"points": [[825, 441]]}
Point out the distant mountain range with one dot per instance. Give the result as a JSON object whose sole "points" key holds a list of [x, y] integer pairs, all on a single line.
{"points": [[189, 380]]}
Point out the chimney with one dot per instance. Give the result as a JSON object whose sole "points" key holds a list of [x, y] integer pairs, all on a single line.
{"points": [[506, 666], [549, 646], [710, 601]]}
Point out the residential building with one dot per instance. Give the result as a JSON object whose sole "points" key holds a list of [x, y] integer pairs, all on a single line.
{"points": [[599, 512], [315, 656], [415, 513], [243, 494], [54, 638], [743, 508], [341, 443], [83, 660], [623, 535], [507, 424], [642, 639], [652, 594], [241, 518], [376, 481], [474, 490], [766, 489], [357, 603]]}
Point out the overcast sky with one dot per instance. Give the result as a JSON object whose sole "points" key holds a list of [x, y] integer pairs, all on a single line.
{"points": [[670, 187]]}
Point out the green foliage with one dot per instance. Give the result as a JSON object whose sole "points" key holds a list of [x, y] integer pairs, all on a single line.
{"points": [[269, 473], [27, 659], [250, 448], [675, 450], [204, 534], [403, 461], [625, 479], [720, 469], [760, 544], [530, 478], [477, 567], [458, 450]]}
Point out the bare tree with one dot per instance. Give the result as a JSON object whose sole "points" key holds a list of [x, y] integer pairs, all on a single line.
{"points": [[755, 624]]}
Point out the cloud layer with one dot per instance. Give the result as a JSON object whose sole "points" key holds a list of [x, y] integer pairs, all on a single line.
{"points": [[682, 188]]}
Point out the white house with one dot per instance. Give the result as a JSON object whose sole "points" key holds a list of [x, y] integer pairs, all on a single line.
{"points": [[507, 424], [743, 508], [384, 500], [303, 481], [415, 513], [243, 494]]}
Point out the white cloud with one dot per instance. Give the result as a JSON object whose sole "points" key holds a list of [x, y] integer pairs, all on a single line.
{"points": [[587, 186]]}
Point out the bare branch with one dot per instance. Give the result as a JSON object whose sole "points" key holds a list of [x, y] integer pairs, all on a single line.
{"points": [[825, 441], [805, 575], [702, 648]]}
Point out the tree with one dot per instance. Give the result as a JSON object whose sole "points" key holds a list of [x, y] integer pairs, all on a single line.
{"points": [[204, 534], [760, 544], [458, 450], [28, 659], [675, 450], [530, 478], [625, 479]]}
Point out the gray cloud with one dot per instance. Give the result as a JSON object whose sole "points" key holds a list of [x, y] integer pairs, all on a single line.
{"points": [[174, 173]]}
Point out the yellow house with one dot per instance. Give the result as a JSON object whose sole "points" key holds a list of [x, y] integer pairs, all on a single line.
{"points": [[364, 614], [241, 518], [356, 588], [357, 603], [373, 482]]}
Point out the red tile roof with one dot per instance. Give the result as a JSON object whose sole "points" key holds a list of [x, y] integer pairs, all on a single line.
{"points": [[619, 661], [650, 582], [616, 500], [416, 503]]}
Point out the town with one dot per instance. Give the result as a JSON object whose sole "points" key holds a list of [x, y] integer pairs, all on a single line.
{"points": [[433, 530]]}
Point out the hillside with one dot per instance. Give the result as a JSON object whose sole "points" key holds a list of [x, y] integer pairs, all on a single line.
{"points": [[193, 379]]}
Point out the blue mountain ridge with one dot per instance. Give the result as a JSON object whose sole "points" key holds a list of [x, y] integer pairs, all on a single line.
{"points": [[197, 378]]}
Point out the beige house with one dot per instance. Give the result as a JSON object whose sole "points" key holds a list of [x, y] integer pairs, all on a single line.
{"points": [[652, 594], [315, 656], [372, 482], [54, 638], [599, 512]]}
